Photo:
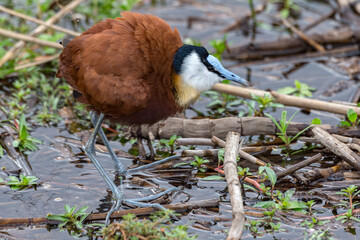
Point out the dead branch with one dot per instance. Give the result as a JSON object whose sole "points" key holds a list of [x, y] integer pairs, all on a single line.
{"points": [[194, 141], [288, 100], [299, 165], [15, 50], [238, 23], [232, 179], [246, 126], [39, 62], [35, 20], [179, 207], [290, 46], [337, 147], [26, 38], [303, 36]]}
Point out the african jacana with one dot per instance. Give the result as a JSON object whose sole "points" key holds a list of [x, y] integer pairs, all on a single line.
{"points": [[136, 70]]}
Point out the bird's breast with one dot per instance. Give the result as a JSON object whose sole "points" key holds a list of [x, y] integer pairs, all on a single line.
{"points": [[185, 94]]}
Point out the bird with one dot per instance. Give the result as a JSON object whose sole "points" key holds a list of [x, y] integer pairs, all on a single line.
{"points": [[135, 70]]}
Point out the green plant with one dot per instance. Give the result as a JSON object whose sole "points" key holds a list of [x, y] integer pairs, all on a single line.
{"points": [[264, 102], [169, 143], [199, 163], [283, 125], [352, 119], [243, 172], [25, 141], [282, 202], [71, 219], [222, 104], [287, 7], [220, 46], [133, 228], [310, 204], [253, 226], [349, 192], [300, 90], [22, 183]]}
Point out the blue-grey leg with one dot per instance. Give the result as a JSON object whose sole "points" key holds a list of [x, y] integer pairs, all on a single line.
{"points": [[118, 195], [119, 167], [90, 152]]}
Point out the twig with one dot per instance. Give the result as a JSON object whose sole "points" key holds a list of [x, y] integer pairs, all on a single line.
{"points": [[337, 147], [179, 207], [32, 19], [303, 36], [299, 165], [232, 179], [324, 173], [239, 22], [320, 20], [39, 62], [286, 99], [26, 38], [15, 50], [194, 141]]}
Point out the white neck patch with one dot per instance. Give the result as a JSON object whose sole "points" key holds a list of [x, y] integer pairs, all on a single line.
{"points": [[195, 73]]}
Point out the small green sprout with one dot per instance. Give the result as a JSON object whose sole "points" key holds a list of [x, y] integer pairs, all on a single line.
{"points": [[25, 141], [22, 183], [352, 119], [154, 228], [283, 125], [220, 45], [350, 192], [70, 219], [199, 163], [169, 143], [300, 90], [264, 102]]}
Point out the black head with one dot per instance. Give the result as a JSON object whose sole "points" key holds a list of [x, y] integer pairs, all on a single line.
{"points": [[185, 51]]}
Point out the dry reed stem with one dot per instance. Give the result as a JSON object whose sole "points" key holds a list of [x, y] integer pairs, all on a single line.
{"points": [[35, 20], [299, 165], [303, 36], [232, 179], [15, 50], [286, 99], [337, 147], [26, 38]]}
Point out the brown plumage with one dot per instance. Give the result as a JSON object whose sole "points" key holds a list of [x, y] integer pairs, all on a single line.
{"points": [[123, 68]]}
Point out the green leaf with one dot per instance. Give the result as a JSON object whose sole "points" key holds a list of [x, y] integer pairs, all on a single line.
{"points": [[16, 143], [352, 116], [345, 124], [213, 178], [272, 176], [316, 121], [286, 90], [60, 218], [265, 204]]}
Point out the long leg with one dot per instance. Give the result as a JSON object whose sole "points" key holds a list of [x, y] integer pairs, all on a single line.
{"points": [[90, 152], [119, 167]]}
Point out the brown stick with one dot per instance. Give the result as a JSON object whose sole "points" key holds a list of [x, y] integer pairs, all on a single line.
{"points": [[17, 47], [35, 20], [286, 99], [39, 62], [179, 207], [27, 38], [194, 141], [232, 179], [303, 36], [337, 147], [246, 126], [299, 165]]}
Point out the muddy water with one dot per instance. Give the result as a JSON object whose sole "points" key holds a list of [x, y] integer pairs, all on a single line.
{"points": [[67, 176]]}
